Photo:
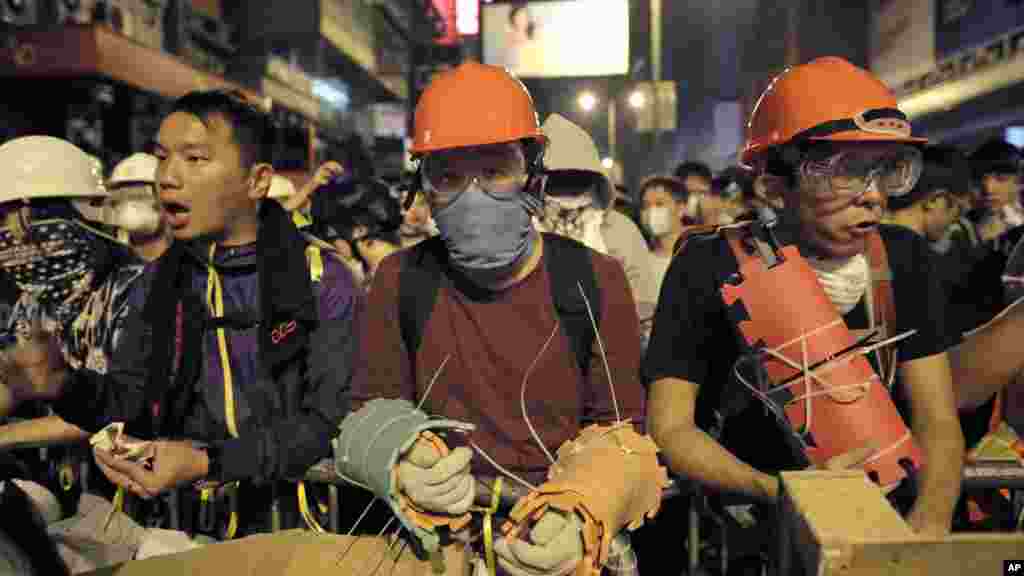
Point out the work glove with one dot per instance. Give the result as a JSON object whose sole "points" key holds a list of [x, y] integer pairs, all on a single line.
{"points": [[555, 547], [434, 483]]}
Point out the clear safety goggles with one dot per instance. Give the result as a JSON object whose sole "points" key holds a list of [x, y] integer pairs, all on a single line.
{"points": [[445, 186], [852, 173]]}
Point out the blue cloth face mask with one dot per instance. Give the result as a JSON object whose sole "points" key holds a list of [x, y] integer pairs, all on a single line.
{"points": [[484, 233]]}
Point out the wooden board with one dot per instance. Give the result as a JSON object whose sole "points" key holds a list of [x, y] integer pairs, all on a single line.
{"points": [[834, 523], [293, 553], [958, 555]]}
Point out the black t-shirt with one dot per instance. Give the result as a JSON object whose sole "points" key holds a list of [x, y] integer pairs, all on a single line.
{"points": [[693, 339]]}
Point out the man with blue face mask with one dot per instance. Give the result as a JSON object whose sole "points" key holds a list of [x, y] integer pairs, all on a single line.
{"points": [[472, 325]]}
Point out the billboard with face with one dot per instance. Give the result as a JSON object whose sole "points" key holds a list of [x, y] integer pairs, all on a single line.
{"points": [[558, 39]]}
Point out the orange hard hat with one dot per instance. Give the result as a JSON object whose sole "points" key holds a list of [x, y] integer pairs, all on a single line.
{"points": [[474, 105], [825, 99]]}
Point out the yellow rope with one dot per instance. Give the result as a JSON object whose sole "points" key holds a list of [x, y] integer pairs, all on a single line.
{"points": [[489, 529], [304, 510]]}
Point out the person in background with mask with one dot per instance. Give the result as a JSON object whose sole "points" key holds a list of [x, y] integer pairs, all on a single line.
{"points": [[360, 218], [844, 166], [664, 200], [76, 285], [77, 292], [132, 185], [696, 178], [577, 204], [417, 224], [492, 322]]}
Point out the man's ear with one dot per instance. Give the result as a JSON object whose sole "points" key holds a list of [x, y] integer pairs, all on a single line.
{"points": [[260, 176], [771, 190]]}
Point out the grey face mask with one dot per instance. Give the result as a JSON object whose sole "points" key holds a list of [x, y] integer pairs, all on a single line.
{"points": [[484, 233]]}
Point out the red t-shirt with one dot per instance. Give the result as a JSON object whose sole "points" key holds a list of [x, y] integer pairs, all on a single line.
{"points": [[492, 342]]}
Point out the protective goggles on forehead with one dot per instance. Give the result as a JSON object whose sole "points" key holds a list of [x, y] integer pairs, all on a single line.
{"points": [[851, 173]]}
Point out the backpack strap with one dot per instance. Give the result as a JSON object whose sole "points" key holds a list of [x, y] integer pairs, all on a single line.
{"points": [[881, 303], [315, 260], [300, 219], [569, 266], [419, 279]]}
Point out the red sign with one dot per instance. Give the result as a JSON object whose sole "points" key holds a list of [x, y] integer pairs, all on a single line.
{"points": [[446, 9]]}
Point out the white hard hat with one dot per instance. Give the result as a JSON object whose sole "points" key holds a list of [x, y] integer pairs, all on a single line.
{"points": [[571, 148], [45, 167], [280, 188], [138, 168]]}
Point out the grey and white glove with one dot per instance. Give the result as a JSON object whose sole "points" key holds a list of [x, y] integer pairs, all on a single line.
{"points": [[437, 484], [555, 547]]}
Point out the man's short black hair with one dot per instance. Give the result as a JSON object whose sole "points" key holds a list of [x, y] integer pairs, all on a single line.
{"points": [[342, 206], [251, 129], [675, 186], [995, 157], [687, 169], [956, 160]]}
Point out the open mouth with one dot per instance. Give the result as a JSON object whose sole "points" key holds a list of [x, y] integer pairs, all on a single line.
{"points": [[175, 208], [176, 214]]}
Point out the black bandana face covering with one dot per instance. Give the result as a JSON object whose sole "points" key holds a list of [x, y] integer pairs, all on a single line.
{"points": [[54, 261]]}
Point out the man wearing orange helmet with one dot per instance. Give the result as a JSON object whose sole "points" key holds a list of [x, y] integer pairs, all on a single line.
{"points": [[463, 322], [847, 146]]}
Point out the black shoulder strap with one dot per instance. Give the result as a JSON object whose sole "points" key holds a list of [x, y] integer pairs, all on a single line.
{"points": [[569, 266], [418, 281], [567, 262]]}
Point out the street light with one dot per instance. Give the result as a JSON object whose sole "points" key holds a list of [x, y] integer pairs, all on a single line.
{"points": [[587, 101], [637, 99]]}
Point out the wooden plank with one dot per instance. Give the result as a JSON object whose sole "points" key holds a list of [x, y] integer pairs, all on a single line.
{"points": [[76, 51], [844, 507], [841, 524], [294, 553], [958, 555]]}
